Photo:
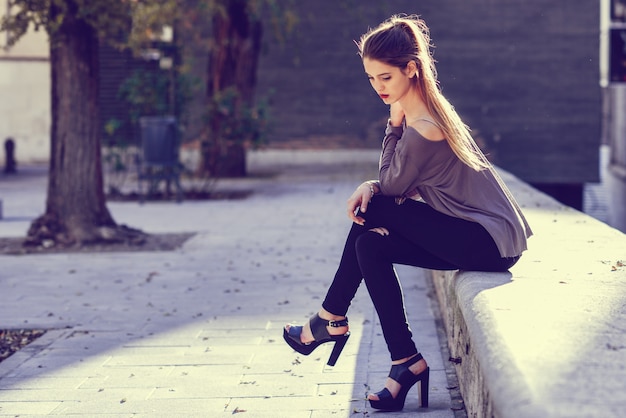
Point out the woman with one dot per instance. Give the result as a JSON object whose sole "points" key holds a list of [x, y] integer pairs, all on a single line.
{"points": [[437, 204]]}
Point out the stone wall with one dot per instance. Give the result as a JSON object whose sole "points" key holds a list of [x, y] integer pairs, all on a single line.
{"points": [[546, 338]]}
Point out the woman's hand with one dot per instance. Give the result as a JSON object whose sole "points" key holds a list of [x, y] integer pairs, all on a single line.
{"points": [[359, 201], [396, 114]]}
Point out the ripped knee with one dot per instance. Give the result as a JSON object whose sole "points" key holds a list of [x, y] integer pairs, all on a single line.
{"points": [[380, 230]]}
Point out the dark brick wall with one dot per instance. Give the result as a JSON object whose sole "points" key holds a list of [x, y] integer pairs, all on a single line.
{"points": [[522, 73]]}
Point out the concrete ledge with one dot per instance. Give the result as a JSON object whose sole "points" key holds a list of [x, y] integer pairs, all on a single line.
{"points": [[548, 338]]}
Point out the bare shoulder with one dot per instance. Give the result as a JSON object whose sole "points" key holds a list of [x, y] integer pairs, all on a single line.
{"points": [[428, 130]]}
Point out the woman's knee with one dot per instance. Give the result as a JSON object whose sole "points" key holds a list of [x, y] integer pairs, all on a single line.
{"points": [[370, 244]]}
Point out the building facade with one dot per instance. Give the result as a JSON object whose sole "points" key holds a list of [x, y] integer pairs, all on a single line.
{"points": [[25, 96]]}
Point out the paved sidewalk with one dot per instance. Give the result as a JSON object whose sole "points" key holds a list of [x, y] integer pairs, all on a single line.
{"points": [[197, 332]]}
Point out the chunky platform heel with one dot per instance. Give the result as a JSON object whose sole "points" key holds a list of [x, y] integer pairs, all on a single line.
{"points": [[321, 336], [405, 377]]}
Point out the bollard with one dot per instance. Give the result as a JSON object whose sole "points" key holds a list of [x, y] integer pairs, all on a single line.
{"points": [[9, 151]]}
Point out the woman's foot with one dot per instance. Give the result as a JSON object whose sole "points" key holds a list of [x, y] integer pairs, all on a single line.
{"points": [[394, 387], [321, 328], [306, 336], [403, 375]]}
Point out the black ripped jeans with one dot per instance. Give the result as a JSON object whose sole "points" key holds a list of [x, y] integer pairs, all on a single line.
{"points": [[418, 236]]}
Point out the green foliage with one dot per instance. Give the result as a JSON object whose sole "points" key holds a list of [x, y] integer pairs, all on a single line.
{"points": [[157, 93], [112, 126], [147, 94], [150, 19], [236, 122], [20, 16], [109, 18]]}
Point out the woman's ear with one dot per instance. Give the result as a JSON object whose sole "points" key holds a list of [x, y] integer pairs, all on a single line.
{"points": [[411, 69]]}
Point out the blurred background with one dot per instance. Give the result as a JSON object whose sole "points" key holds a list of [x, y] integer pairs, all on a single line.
{"points": [[539, 82]]}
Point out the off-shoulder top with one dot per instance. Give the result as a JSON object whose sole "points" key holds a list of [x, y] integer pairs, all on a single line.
{"points": [[412, 165]]}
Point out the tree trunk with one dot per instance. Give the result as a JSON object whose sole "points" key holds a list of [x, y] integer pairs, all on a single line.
{"points": [[233, 62], [76, 211]]}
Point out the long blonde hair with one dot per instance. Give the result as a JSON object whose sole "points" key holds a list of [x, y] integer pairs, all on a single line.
{"points": [[402, 39]]}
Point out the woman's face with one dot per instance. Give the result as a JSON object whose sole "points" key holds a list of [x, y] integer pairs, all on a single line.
{"points": [[391, 83]]}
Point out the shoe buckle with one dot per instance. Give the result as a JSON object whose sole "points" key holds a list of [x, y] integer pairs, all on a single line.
{"points": [[337, 324]]}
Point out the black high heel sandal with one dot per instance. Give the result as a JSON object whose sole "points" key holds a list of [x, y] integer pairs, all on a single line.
{"points": [[321, 336], [405, 377]]}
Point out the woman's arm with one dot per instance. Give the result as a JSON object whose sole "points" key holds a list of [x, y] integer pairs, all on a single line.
{"points": [[360, 199], [399, 161]]}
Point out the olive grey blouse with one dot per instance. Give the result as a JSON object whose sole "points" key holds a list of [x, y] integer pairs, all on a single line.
{"points": [[411, 166]]}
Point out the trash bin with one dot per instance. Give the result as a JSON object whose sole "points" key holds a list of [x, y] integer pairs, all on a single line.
{"points": [[159, 140], [159, 153]]}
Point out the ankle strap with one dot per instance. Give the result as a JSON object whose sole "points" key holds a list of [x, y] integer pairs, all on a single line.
{"points": [[337, 324], [318, 326], [397, 370]]}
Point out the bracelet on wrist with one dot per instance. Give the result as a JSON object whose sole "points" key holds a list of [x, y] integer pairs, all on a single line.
{"points": [[371, 184]]}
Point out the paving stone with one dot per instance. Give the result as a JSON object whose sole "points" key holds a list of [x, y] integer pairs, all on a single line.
{"points": [[21, 408]]}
